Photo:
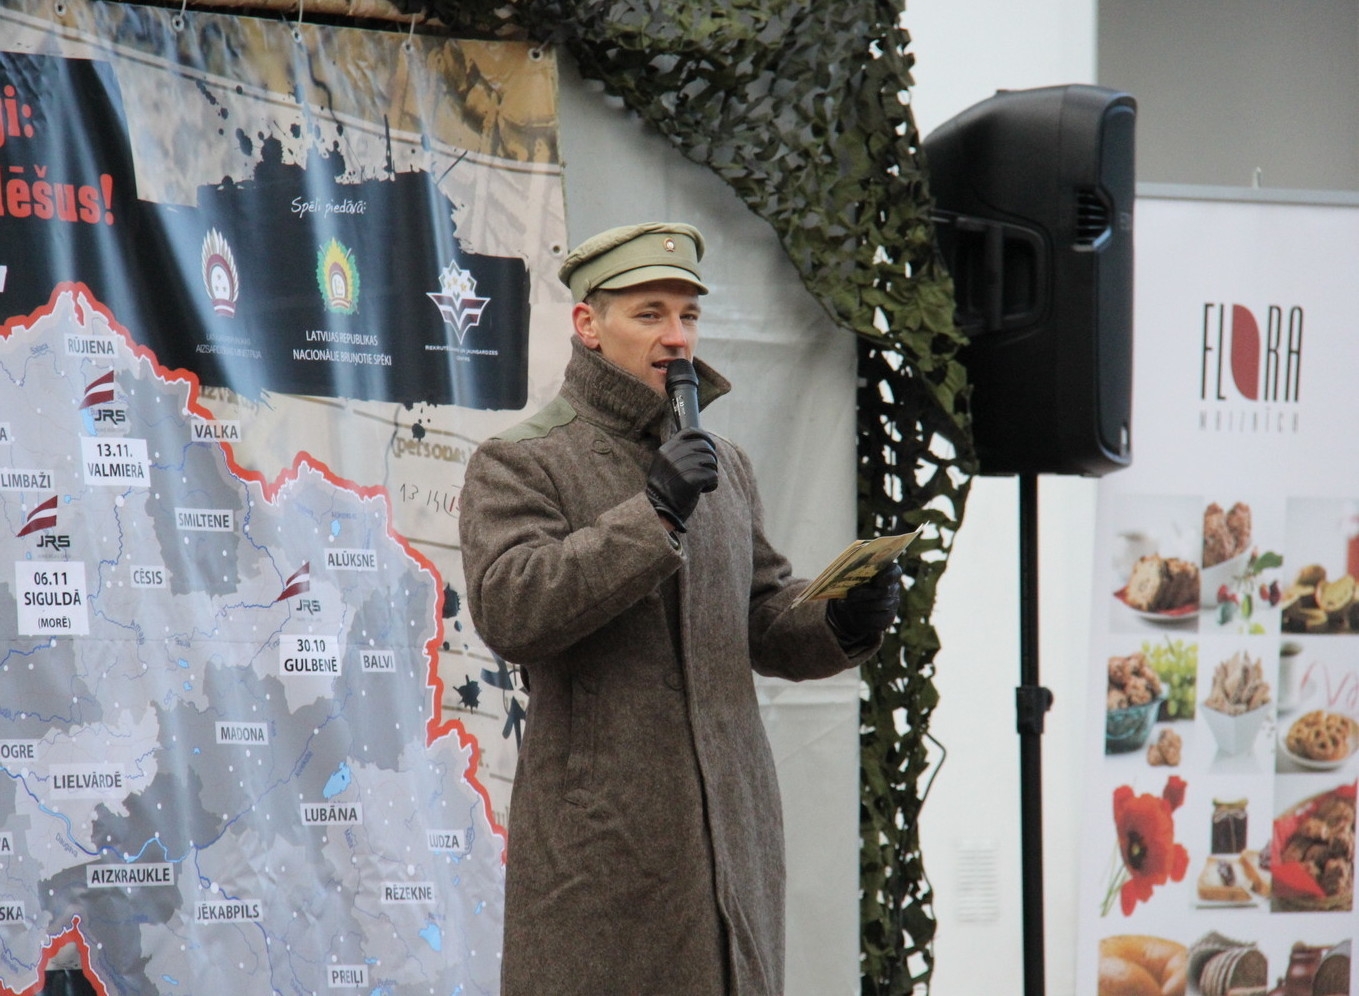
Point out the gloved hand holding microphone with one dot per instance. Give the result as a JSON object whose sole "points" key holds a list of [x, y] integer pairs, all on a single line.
{"points": [[686, 464], [684, 467]]}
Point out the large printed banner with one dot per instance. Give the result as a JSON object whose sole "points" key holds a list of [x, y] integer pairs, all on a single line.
{"points": [[263, 286], [1218, 853]]}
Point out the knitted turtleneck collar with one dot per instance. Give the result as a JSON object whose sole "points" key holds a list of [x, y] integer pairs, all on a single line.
{"points": [[606, 393]]}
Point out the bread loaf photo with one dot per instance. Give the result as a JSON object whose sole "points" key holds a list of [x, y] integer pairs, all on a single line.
{"points": [[1141, 965], [1162, 584]]}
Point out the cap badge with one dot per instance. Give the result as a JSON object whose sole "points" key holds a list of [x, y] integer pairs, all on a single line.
{"points": [[669, 245]]}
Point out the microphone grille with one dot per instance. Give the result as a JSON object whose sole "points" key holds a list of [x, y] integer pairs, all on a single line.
{"points": [[680, 371]]}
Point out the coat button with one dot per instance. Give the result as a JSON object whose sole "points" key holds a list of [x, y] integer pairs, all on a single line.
{"points": [[675, 680], [601, 446]]}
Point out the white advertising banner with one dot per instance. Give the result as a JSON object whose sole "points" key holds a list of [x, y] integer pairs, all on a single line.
{"points": [[1218, 853]]}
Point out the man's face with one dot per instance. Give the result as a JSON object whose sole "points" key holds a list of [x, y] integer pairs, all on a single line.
{"points": [[643, 328]]}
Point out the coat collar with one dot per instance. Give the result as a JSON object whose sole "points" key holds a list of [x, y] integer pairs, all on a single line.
{"points": [[607, 394]]}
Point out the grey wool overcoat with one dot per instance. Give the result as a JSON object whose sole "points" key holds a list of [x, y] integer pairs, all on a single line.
{"points": [[645, 835]]}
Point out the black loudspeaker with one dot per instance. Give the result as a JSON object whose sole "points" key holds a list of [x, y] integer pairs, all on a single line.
{"points": [[1034, 192]]}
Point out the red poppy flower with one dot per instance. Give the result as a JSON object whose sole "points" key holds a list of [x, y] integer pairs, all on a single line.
{"points": [[1146, 841]]}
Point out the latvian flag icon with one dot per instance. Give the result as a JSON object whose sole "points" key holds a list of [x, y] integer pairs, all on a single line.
{"points": [[297, 583], [99, 391], [42, 517]]}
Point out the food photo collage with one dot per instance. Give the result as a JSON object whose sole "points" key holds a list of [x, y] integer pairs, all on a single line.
{"points": [[1230, 627]]}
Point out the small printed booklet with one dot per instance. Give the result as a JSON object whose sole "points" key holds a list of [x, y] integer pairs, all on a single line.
{"points": [[856, 564]]}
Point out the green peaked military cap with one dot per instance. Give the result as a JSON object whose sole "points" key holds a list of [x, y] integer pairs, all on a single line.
{"points": [[634, 254]]}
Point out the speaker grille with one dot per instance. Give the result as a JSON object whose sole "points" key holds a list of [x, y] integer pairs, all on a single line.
{"points": [[1092, 219]]}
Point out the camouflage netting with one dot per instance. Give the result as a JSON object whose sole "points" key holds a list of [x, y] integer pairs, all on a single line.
{"points": [[803, 108]]}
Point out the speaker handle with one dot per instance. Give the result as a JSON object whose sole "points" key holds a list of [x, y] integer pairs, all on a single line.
{"points": [[989, 241]]}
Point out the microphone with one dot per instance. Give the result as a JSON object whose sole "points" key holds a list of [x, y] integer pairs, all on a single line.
{"points": [[681, 384]]}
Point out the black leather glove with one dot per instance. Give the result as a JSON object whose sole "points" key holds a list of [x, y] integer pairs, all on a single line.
{"points": [[866, 610], [684, 467]]}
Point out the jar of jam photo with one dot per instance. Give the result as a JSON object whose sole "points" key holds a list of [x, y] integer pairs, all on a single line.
{"points": [[1229, 826]]}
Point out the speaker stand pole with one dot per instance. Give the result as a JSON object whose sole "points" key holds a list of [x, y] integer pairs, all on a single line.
{"points": [[1031, 702]]}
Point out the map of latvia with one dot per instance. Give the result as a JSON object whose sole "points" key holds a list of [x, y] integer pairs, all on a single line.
{"points": [[202, 777]]}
